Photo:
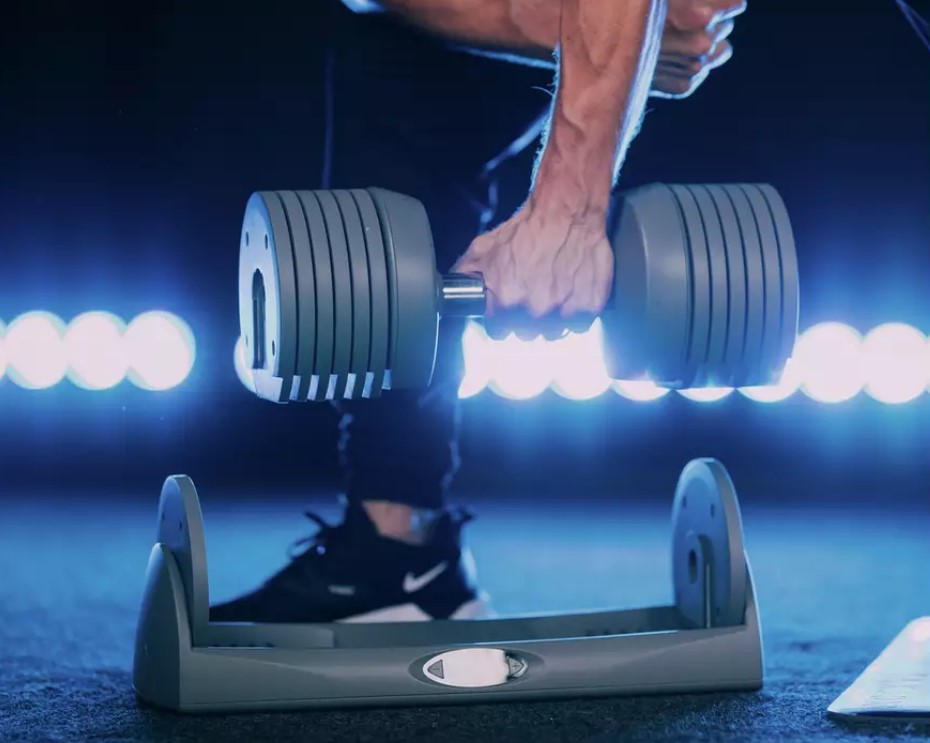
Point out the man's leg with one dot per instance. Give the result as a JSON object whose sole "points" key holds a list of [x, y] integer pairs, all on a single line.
{"points": [[399, 453]]}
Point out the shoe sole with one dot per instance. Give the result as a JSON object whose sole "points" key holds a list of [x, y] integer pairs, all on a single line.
{"points": [[479, 608]]}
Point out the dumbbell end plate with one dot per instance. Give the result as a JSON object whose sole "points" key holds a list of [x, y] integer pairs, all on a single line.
{"points": [[262, 301]]}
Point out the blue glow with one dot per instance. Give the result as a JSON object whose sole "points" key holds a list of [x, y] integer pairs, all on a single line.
{"points": [[831, 362], [35, 350], [161, 350], [96, 351], [2, 350], [478, 367], [579, 372], [895, 357], [926, 362], [643, 390], [789, 383], [243, 370], [706, 394], [520, 369]]}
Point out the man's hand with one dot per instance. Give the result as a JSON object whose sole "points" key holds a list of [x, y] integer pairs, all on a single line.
{"points": [[694, 42], [550, 266], [546, 269]]}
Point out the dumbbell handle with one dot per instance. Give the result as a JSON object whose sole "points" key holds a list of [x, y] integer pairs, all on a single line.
{"points": [[463, 296]]}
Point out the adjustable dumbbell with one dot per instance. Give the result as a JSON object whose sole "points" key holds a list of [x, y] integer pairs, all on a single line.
{"points": [[340, 298]]}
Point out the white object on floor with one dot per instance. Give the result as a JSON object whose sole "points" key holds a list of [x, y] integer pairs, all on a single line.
{"points": [[896, 685]]}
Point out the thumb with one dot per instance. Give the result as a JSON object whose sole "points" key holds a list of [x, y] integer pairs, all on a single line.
{"points": [[468, 264]]}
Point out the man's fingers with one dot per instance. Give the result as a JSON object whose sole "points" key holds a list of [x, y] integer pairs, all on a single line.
{"points": [[676, 77], [696, 45], [690, 44], [688, 16], [720, 56], [677, 86], [723, 31], [732, 11]]}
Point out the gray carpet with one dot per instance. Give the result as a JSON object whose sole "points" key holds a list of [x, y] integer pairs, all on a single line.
{"points": [[833, 590]]}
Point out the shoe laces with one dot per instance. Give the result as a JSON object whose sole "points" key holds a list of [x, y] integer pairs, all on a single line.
{"points": [[316, 543]]}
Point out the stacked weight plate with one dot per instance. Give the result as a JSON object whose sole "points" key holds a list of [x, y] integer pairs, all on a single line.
{"points": [[733, 248], [337, 294]]}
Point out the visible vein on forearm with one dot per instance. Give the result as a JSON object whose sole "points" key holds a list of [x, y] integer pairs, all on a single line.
{"points": [[607, 56]]}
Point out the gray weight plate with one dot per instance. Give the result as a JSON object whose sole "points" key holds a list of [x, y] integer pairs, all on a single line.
{"points": [[306, 290], [342, 294], [736, 267], [719, 284], [391, 264], [701, 320], [647, 323], [773, 293], [323, 299], [380, 307], [755, 288], [708, 557], [405, 229], [359, 368], [789, 272], [267, 297]]}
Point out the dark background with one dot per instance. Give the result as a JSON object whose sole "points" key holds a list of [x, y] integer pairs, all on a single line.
{"points": [[130, 139]]}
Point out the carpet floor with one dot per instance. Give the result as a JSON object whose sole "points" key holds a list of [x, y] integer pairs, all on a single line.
{"points": [[833, 590]]}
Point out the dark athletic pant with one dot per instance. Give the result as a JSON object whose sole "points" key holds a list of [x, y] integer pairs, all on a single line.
{"points": [[388, 130], [402, 447]]}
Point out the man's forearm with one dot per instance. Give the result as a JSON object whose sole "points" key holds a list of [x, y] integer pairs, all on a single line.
{"points": [[607, 57]]}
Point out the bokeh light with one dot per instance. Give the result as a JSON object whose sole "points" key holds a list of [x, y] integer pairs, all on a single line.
{"points": [[831, 362], [579, 371], [478, 361], [895, 359], [926, 363], [520, 369], [640, 390], [706, 394], [2, 350], [161, 350], [787, 385], [35, 350], [95, 351]]}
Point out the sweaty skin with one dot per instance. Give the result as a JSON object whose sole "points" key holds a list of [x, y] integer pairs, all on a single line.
{"points": [[693, 40], [550, 265]]}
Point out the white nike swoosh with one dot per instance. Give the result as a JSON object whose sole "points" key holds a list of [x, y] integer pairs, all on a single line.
{"points": [[413, 583]]}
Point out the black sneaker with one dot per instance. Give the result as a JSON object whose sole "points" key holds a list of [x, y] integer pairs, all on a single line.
{"points": [[350, 573]]}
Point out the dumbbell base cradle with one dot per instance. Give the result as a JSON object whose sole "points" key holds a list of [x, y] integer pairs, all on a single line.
{"points": [[707, 640]]}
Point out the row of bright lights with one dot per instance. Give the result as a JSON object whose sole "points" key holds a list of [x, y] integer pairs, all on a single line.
{"points": [[97, 350], [832, 363], [156, 351]]}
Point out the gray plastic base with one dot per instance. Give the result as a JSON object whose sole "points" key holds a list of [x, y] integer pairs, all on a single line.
{"points": [[186, 663]]}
